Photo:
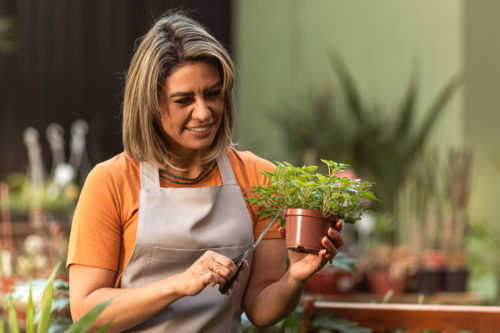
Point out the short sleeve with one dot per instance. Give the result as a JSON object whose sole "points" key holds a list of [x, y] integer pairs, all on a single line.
{"points": [[248, 169], [96, 229]]}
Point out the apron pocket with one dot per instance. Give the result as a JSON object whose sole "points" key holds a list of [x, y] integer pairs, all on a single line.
{"points": [[171, 261]]}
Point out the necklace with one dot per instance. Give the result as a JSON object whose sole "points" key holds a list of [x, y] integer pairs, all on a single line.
{"points": [[184, 180]]}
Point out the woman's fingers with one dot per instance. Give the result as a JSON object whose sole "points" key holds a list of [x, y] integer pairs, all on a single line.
{"points": [[221, 265], [338, 225], [336, 237], [331, 243], [282, 232]]}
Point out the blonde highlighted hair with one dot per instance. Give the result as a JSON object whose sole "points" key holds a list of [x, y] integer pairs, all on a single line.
{"points": [[174, 40]]}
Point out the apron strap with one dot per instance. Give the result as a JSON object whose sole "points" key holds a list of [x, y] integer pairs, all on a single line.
{"points": [[150, 177], [225, 169]]}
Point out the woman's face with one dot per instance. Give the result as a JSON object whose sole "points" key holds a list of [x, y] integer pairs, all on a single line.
{"points": [[194, 106]]}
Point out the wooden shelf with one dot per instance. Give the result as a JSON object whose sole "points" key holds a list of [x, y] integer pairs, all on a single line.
{"points": [[407, 298]]}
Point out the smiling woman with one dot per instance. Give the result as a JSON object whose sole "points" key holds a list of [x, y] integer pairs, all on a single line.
{"points": [[157, 226], [193, 110]]}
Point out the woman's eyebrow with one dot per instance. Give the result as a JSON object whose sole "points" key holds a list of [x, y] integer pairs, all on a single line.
{"points": [[190, 93], [212, 87]]}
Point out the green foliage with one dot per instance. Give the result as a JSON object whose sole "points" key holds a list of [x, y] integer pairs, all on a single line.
{"points": [[13, 322], [302, 187], [88, 319], [44, 323], [344, 262], [30, 312], [336, 324], [7, 40], [381, 145], [22, 194]]}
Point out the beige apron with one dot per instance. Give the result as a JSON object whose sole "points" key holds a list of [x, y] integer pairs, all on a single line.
{"points": [[175, 227]]}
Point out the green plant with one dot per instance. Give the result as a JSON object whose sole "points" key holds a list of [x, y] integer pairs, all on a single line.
{"points": [[7, 41], [381, 146], [43, 324], [302, 187]]}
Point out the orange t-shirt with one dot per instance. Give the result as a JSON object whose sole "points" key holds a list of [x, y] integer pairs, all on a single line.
{"points": [[104, 225]]}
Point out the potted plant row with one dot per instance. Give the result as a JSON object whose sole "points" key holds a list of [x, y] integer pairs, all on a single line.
{"points": [[311, 201]]}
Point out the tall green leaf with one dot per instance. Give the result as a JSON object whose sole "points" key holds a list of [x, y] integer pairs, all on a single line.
{"points": [[407, 113], [436, 109], [82, 325], [30, 312], [105, 327], [350, 88], [44, 322], [13, 323], [2, 329]]}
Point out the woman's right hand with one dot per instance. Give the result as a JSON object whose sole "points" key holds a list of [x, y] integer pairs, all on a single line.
{"points": [[90, 286], [211, 269]]}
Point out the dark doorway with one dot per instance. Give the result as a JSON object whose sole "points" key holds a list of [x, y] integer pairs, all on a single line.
{"points": [[69, 64]]}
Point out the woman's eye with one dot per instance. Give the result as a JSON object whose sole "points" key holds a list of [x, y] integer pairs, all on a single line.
{"points": [[183, 101], [214, 93]]}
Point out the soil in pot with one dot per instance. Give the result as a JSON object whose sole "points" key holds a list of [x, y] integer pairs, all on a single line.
{"points": [[305, 228]]}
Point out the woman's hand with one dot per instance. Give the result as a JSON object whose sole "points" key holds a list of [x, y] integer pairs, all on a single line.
{"points": [[304, 265], [211, 268]]}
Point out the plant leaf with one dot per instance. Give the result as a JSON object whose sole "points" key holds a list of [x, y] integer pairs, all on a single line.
{"points": [[44, 322], [105, 327], [436, 109], [30, 312], [13, 323], [82, 325]]}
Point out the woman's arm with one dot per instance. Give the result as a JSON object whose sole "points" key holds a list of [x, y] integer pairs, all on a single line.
{"points": [[273, 292], [90, 286]]}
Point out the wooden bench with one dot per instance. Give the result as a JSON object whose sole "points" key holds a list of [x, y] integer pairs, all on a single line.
{"points": [[409, 317]]}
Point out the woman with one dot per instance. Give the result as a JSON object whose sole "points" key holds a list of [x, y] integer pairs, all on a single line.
{"points": [[165, 219]]}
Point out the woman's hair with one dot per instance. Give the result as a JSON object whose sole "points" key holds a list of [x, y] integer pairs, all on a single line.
{"points": [[173, 41]]}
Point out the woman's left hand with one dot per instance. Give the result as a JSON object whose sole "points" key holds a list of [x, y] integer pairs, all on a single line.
{"points": [[304, 265]]}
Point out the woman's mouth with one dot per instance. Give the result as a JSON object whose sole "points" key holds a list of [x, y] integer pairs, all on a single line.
{"points": [[200, 130]]}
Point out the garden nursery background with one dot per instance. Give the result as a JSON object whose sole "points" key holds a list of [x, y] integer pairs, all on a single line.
{"points": [[406, 92]]}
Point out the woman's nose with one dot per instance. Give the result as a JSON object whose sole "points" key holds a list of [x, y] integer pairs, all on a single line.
{"points": [[202, 111]]}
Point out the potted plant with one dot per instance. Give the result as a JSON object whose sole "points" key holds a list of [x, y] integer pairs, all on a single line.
{"points": [[389, 268], [336, 278], [311, 201]]}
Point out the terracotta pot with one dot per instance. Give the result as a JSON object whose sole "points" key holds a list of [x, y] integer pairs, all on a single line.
{"points": [[305, 228], [381, 283], [331, 282]]}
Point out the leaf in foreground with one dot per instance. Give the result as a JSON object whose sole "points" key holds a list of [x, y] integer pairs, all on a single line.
{"points": [[88, 319], [13, 323], [30, 312], [44, 322]]}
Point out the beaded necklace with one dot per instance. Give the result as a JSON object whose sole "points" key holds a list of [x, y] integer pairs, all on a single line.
{"points": [[183, 180]]}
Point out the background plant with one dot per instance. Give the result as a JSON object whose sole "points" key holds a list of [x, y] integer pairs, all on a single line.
{"points": [[41, 320], [381, 145], [302, 187], [7, 40]]}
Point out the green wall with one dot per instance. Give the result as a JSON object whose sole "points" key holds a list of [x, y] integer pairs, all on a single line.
{"points": [[482, 101], [282, 47]]}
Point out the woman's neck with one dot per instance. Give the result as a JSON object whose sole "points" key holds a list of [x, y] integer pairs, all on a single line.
{"points": [[188, 167]]}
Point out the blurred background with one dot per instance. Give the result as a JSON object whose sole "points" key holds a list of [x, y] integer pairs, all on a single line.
{"points": [[406, 92]]}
